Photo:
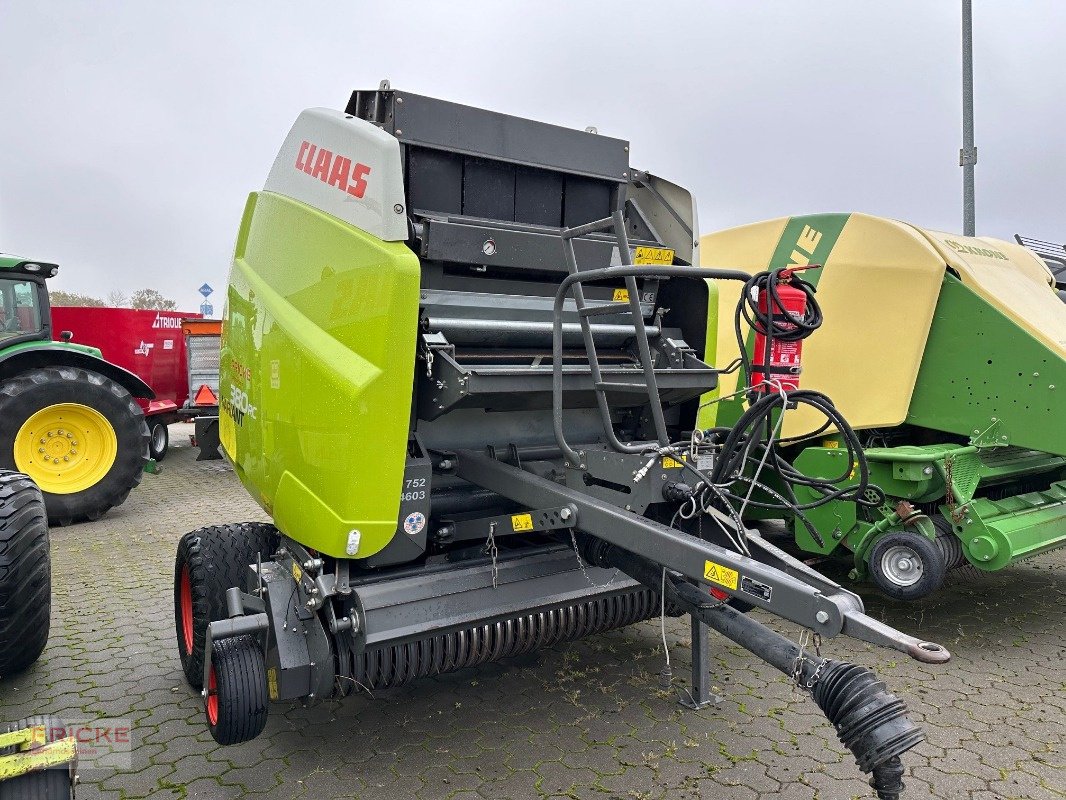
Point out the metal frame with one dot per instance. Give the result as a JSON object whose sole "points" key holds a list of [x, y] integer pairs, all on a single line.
{"points": [[825, 607]]}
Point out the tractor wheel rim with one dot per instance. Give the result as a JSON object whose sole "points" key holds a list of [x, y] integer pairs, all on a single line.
{"points": [[159, 435], [66, 448], [902, 565], [212, 698], [185, 597]]}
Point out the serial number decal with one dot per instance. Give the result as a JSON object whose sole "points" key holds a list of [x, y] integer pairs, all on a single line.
{"points": [[756, 589], [722, 575], [522, 522]]}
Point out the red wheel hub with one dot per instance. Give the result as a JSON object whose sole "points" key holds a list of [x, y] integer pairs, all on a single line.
{"points": [[212, 699], [185, 599]]}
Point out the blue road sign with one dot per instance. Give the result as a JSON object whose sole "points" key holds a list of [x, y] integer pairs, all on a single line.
{"points": [[205, 290], [207, 309]]}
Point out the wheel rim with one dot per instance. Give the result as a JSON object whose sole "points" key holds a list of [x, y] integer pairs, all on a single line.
{"points": [[66, 448], [212, 698], [185, 597], [902, 565], [159, 438]]}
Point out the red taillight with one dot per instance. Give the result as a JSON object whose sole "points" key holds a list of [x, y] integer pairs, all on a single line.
{"points": [[718, 594]]}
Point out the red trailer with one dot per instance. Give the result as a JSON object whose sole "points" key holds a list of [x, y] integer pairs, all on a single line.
{"points": [[151, 344]]}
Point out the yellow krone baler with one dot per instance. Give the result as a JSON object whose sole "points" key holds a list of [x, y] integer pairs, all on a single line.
{"points": [[948, 355]]}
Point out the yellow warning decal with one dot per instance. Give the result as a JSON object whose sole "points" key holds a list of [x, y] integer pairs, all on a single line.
{"points": [[723, 576], [227, 435], [297, 572], [653, 255], [831, 444], [272, 683], [621, 296], [522, 522], [671, 463]]}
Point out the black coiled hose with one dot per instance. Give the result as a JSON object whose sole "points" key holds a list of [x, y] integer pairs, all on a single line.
{"points": [[767, 323], [870, 721]]}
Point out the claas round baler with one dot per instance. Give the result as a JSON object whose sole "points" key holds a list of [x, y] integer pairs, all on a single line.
{"points": [[462, 364], [948, 355]]}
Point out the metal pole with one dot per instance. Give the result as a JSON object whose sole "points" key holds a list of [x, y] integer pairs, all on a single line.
{"points": [[968, 153]]}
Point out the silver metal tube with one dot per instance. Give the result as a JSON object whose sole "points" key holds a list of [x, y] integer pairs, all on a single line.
{"points": [[968, 154]]}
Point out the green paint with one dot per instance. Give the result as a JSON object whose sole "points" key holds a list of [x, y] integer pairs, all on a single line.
{"points": [[318, 361], [981, 369], [805, 240]]}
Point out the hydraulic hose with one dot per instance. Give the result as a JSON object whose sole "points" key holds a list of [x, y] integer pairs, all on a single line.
{"points": [[870, 721]]}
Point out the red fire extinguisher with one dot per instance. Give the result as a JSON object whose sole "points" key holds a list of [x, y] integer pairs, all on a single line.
{"points": [[779, 334]]}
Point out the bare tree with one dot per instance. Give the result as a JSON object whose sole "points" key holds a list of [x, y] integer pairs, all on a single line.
{"points": [[117, 298], [151, 299]]}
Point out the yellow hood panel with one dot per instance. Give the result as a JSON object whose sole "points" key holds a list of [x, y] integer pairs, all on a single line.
{"points": [[878, 290]]}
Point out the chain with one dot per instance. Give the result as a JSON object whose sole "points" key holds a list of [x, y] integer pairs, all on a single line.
{"points": [[581, 564], [490, 548], [949, 497], [797, 666]]}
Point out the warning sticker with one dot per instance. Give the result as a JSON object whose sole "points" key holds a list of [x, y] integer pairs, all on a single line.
{"points": [[756, 589], [832, 444], [621, 296], [671, 463], [723, 576], [522, 522], [297, 572], [272, 683], [653, 255]]}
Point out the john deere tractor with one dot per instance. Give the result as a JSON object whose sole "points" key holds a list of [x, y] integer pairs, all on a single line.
{"points": [[947, 355], [68, 418], [461, 369]]}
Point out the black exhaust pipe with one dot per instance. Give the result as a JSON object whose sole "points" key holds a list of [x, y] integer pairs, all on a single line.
{"points": [[870, 721]]}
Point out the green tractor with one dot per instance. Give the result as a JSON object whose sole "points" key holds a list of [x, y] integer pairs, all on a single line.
{"points": [[947, 355], [68, 418]]}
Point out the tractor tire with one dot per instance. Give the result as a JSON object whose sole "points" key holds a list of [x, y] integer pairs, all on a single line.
{"points": [[25, 573], [209, 561], [158, 441], [80, 436], [907, 566], [54, 783], [237, 701]]}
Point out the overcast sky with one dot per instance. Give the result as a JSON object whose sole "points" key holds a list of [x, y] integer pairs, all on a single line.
{"points": [[131, 133]]}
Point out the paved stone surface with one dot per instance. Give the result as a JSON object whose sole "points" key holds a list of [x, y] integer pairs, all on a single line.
{"points": [[586, 720]]}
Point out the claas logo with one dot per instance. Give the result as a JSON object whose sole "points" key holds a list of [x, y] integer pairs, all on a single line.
{"points": [[332, 169]]}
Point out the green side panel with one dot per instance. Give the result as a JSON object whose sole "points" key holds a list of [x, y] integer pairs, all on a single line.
{"points": [[830, 226], [995, 533], [317, 371], [980, 369]]}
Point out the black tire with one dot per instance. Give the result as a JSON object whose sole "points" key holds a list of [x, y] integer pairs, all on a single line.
{"points": [[237, 704], [158, 441], [25, 573], [906, 566], [209, 561], [49, 784], [26, 394]]}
